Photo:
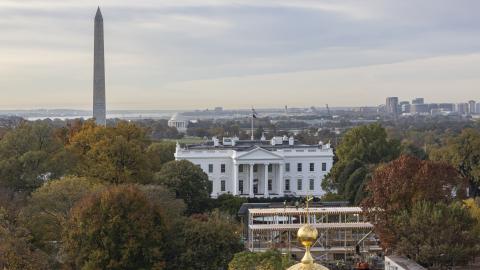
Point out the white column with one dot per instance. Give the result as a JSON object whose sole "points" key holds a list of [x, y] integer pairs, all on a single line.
{"points": [[280, 179], [250, 179], [265, 184], [235, 179]]}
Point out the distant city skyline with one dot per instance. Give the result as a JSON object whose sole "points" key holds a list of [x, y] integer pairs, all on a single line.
{"points": [[188, 54]]}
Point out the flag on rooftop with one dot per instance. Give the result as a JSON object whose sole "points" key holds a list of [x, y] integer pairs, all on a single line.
{"points": [[254, 113]]}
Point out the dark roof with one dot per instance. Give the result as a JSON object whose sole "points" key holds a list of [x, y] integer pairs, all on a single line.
{"points": [[247, 145], [244, 208]]}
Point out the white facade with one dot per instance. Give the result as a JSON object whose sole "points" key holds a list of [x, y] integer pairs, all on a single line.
{"points": [[179, 122], [259, 168]]}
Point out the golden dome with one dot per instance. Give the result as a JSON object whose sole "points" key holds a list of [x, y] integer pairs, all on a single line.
{"points": [[307, 235], [314, 266]]}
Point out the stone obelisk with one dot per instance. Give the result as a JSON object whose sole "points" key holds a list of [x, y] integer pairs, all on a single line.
{"points": [[99, 107]]}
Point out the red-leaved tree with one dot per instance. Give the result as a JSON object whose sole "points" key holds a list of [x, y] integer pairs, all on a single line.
{"points": [[398, 185]]}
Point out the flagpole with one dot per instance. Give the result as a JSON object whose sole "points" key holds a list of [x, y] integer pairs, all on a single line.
{"points": [[251, 137]]}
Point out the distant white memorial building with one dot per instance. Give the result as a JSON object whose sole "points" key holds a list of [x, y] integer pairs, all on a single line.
{"points": [[179, 121], [261, 168]]}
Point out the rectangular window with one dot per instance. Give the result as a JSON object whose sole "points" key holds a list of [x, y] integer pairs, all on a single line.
{"points": [[269, 184], [240, 168], [210, 168], [222, 185], [312, 167], [299, 167], [255, 168], [312, 184], [240, 186], [287, 167], [287, 184], [199, 166], [299, 184], [222, 168], [324, 167], [270, 167]]}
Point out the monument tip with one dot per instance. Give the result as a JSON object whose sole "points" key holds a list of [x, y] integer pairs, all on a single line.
{"points": [[99, 13]]}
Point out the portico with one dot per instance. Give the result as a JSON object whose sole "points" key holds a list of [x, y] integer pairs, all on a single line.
{"points": [[263, 176]]}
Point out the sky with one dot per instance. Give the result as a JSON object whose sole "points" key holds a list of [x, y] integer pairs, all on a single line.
{"points": [[195, 54]]}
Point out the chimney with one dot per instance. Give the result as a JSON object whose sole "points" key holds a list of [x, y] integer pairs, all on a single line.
{"points": [[291, 140], [234, 140], [216, 142]]}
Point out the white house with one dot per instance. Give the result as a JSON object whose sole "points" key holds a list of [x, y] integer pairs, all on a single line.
{"points": [[179, 121], [267, 168]]}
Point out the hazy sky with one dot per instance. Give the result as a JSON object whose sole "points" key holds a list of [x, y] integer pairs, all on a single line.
{"points": [[164, 54]]}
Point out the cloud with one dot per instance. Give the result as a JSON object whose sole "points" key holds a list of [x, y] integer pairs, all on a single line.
{"points": [[47, 44], [435, 78]]}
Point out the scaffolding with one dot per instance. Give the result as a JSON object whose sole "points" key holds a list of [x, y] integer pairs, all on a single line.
{"points": [[344, 232]]}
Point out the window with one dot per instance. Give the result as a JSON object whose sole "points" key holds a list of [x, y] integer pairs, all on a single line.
{"points": [[312, 167], [287, 167], [287, 184], [240, 168], [222, 185], [312, 184], [210, 168], [199, 166], [255, 168], [299, 184], [324, 167], [222, 168], [270, 167], [240, 186], [299, 167], [269, 184]]}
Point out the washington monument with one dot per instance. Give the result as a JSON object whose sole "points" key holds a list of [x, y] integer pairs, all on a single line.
{"points": [[99, 107]]}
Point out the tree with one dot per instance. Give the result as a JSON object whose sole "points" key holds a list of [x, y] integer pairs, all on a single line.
{"points": [[269, 260], [188, 182], [350, 180], [369, 144], [115, 229], [360, 150], [160, 153], [473, 207], [437, 235], [398, 185], [463, 152], [172, 210], [229, 204], [410, 149], [210, 241], [48, 208], [16, 250], [113, 154], [164, 199], [29, 155]]}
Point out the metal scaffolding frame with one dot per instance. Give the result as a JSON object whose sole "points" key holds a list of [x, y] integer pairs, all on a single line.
{"points": [[340, 229]]}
